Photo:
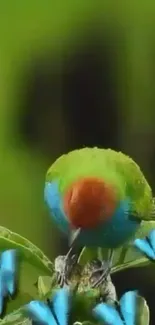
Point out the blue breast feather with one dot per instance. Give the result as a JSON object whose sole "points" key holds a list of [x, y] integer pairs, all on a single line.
{"points": [[110, 234]]}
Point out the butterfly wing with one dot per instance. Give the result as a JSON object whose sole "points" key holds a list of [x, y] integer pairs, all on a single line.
{"points": [[151, 238], [39, 312], [107, 314], [7, 275], [61, 305], [8, 269], [3, 292], [128, 304], [144, 247]]}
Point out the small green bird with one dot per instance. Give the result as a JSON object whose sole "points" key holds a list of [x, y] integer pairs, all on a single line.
{"points": [[98, 198]]}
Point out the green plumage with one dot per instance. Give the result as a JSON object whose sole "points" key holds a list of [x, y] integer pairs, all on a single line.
{"points": [[114, 167]]}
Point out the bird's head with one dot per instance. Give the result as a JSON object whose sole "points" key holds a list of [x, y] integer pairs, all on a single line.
{"points": [[89, 201]]}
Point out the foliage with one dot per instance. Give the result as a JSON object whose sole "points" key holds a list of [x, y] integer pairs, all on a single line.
{"points": [[37, 280]]}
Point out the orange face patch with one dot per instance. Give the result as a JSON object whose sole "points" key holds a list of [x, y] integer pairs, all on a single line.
{"points": [[88, 201]]}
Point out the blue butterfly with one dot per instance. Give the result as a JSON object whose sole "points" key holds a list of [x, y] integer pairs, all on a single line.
{"points": [[7, 275], [56, 312], [147, 245], [111, 316]]}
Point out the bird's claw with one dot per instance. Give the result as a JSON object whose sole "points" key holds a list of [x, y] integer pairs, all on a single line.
{"points": [[63, 268], [61, 263], [100, 273], [61, 279]]}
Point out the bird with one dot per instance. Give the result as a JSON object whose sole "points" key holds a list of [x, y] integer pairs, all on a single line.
{"points": [[97, 198]]}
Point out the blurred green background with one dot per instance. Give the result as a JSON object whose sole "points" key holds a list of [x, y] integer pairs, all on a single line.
{"points": [[72, 73]]}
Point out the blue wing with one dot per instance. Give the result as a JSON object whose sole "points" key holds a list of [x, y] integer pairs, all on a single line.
{"points": [[144, 247], [128, 304], [8, 269], [3, 292], [151, 238], [38, 311], [7, 275], [61, 305], [53, 200], [107, 314]]}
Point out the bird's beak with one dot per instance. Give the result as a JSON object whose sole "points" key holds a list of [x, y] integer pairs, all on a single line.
{"points": [[74, 236]]}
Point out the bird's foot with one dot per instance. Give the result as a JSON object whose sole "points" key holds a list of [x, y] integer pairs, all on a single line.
{"points": [[64, 266], [100, 272]]}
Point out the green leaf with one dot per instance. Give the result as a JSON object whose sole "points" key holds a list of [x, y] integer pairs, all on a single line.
{"points": [[45, 286], [140, 263], [32, 264], [21, 299], [16, 318], [143, 313], [145, 228], [26, 249]]}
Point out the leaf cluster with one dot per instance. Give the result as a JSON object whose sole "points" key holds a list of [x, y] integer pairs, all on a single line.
{"points": [[37, 280]]}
